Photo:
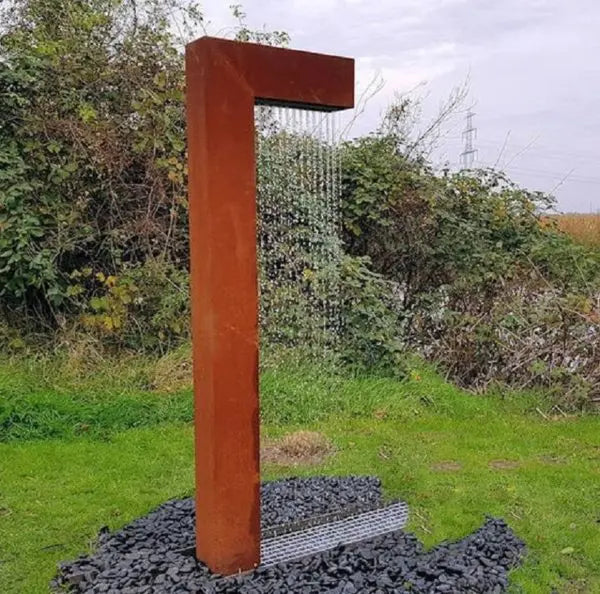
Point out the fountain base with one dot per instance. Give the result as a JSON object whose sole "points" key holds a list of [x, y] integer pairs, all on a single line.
{"points": [[155, 553]]}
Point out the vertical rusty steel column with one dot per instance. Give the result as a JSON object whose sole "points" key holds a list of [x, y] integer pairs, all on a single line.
{"points": [[224, 81]]}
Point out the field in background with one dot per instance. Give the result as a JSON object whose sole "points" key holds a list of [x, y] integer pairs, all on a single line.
{"points": [[584, 228], [100, 447]]}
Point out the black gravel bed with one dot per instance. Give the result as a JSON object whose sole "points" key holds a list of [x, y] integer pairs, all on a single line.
{"points": [[154, 554]]}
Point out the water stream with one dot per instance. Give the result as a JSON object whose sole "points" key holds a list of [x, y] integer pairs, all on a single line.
{"points": [[299, 239]]}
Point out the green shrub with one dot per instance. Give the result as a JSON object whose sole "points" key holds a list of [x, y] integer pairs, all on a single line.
{"points": [[371, 336], [145, 307], [92, 146], [93, 221], [484, 285]]}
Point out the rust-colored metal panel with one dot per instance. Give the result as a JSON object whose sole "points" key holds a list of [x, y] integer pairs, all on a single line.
{"points": [[224, 81], [283, 76]]}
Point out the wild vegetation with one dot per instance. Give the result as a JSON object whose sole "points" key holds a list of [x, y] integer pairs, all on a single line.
{"points": [[487, 289], [455, 266]]}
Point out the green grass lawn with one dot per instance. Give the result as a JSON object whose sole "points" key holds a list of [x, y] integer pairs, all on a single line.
{"points": [[453, 456]]}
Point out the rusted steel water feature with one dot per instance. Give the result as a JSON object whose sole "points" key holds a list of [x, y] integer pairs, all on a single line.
{"points": [[225, 79]]}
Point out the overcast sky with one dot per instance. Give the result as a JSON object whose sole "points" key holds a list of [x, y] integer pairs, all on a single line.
{"points": [[533, 67]]}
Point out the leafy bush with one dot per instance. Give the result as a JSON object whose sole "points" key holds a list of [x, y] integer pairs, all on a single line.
{"points": [[93, 194], [487, 288], [144, 307], [526, 336], [429, 232], [372, 330], [462, 267], [92, 147]]}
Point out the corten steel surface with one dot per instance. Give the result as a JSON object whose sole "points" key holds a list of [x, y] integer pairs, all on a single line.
{"points": [[224, 80]]}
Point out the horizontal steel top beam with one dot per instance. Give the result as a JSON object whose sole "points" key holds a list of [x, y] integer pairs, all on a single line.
{"points": [[279, 76]]}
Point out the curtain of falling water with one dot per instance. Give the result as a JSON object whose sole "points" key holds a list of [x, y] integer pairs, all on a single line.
{"points": [[299, 224]]}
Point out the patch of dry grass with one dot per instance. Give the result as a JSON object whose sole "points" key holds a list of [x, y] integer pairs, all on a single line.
{"points": [[583, 228], [173, 372], [300, 448], [503, 464], [447, 466]]}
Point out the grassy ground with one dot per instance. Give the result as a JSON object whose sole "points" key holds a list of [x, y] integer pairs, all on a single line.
{"points": [[453, 456]]}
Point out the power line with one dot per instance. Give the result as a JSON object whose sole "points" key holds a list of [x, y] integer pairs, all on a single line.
{"points": [[549, 174], [544, 174], [469, 134], [547, 152]]}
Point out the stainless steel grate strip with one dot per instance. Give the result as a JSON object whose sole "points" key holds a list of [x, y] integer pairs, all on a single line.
{"points": [[323, 537]]}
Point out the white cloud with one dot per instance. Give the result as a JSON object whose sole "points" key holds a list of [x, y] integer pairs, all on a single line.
{"points": [[532, 63]]}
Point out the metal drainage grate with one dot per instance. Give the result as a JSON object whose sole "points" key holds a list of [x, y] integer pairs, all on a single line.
{"points": [[323, 537]]}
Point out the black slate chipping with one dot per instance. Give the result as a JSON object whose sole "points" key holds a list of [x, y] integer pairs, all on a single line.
{"points": [[154, 554]]}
